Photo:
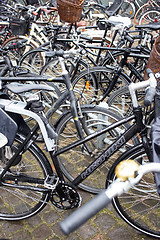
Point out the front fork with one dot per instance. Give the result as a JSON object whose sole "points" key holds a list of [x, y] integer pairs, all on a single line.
{"points": [[143, 133]]}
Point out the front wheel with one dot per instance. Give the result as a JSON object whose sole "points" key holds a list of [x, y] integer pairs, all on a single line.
{"points": [[74, 161], [140, 207]]}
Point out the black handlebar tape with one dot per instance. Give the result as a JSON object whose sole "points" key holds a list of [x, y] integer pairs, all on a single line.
{"points": [[84, 213], [150, 93]]}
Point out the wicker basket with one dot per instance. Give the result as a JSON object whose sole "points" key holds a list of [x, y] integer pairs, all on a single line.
{"points": [[70, 10]]}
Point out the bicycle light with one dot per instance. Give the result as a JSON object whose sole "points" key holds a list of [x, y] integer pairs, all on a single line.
{"points": [[126, 169]]}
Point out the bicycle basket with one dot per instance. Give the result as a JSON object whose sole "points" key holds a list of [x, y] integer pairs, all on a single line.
{"points": [[19, 26], [8, 127], [70, 10]]}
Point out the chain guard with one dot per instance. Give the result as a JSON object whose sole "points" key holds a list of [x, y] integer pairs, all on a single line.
{"points": [[65, 196]]}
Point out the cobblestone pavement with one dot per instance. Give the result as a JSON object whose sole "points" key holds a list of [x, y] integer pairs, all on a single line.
{"points": [[44, 226]]}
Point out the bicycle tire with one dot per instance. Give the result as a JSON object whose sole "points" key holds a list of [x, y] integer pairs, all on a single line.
{"points": [[72, 162], [35, 59], [16, 54], [121, 100], [92, 83], [16, 203], [140, 12], [127, 9], [140, 206], [53, 69], [150, 16]]}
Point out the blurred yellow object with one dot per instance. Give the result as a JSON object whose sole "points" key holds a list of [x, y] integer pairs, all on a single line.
{"points": [[126, 169]]}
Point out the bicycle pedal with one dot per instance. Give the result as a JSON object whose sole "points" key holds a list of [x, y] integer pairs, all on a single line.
{"points": [[51, 182]]}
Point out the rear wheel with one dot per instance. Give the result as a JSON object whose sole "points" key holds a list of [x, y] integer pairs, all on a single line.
{"points": [[18, 198], [91, 84], [21, 47], [121, 101]]}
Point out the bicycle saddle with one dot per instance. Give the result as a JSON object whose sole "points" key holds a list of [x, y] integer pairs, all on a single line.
{"points": [[114, 8], [18, 88], [151, 26]]}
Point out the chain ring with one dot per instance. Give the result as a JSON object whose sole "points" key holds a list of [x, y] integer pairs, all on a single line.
{"points": [[65, 196]]}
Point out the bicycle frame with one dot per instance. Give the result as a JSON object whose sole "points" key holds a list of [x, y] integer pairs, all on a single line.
{"points": [[137, 127], [35, 32]]}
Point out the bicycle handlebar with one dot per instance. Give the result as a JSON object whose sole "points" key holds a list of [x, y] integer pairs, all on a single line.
{"points": [[151, 91], [92, 207]]}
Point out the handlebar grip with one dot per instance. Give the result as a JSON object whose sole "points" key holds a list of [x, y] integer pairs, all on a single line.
{"points": [[88, 210], [150, 93]]}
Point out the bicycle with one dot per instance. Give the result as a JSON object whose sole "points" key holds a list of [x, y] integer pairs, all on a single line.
{"points": [[37, 35]]}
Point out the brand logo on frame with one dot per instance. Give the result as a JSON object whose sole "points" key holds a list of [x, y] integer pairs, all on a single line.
{"points": [[113, 148]]}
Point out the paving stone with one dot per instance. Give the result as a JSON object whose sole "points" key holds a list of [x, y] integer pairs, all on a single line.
{"points": [[21, 235], [34, 221], [87, 230], [100, 236], [42, 232], [51, 217], [85, 196], [120, 232], [104, 222], [56, 229], [12, 227]]}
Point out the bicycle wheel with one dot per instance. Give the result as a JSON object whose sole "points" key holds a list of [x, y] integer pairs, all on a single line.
{"points": [[127, 9], [140, 12], [150, 16], [74, 161], [52, 69], [30, 170], [140, 207], [91, 84], [121, 100], [33, 60], [22, 47]]}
